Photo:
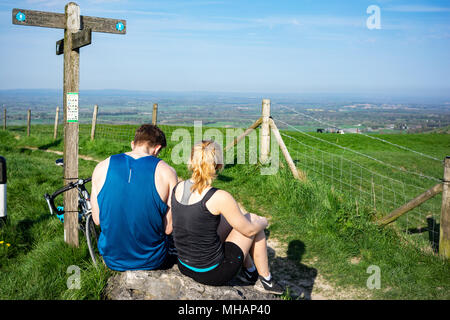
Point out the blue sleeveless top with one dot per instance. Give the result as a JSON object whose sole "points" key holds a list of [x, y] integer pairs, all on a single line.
{"points": [[131, 215]]}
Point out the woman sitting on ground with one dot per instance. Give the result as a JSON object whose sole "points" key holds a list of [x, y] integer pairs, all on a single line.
{"points": [[212, 236]]}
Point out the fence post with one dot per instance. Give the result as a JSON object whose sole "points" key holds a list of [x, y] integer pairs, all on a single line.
{"points": [[94, 122], [444, 238], [2, 190], [4, 119], [265, 132], [28, 122], [155, 113], [55, 130]]}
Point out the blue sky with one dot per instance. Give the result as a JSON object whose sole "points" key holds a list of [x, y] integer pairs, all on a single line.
{"points": [[279, 46]]}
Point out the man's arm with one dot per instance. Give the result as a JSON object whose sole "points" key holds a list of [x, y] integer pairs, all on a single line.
{"points": [[98, 179], [165, 182]]}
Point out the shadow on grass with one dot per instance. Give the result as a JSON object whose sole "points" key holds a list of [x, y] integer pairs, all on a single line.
{"points": [[21, 235], [51, 144], [224, 178], [288, 270], [433, 230]]}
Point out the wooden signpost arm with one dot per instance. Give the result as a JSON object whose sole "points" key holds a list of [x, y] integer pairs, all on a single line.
{"points": [[57, 20]]}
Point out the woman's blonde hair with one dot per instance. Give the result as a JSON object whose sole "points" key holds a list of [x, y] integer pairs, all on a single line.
{"points": [[206, 159]]}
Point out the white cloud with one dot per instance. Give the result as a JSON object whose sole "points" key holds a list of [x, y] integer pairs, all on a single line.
{"points": [[417, 8]]}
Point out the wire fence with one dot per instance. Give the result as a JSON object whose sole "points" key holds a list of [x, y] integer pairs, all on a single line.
{"points": [[380, 184]]}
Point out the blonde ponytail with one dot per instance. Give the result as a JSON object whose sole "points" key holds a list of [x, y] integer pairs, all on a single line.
{"points": [[206, 159]]}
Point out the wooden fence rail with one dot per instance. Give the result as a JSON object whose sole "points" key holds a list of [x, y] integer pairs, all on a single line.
{"points": [[444, 231], [417, 201]]}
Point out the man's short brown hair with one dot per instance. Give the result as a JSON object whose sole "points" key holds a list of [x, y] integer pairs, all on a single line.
{"points": [[151, 134]]}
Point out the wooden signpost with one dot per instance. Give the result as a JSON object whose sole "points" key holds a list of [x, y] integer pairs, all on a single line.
{"points": [[77, 33]]}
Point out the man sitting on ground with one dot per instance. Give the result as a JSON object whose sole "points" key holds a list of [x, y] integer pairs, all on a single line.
{"points": [[130, 201]]}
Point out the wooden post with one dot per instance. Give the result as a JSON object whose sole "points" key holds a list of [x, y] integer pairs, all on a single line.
{"points": [[374, 196], [155, 113], [28, 122], [284, 150], [394, 215], [444, 234], [71, 86], [4, 119], [55, 129], [94, 122], [265, 132]]}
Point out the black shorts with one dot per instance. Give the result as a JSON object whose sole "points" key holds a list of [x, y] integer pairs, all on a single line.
{"points": [[221, 274]]}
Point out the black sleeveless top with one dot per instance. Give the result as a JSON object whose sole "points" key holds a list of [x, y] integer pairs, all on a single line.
{"points": [[195, 233]]}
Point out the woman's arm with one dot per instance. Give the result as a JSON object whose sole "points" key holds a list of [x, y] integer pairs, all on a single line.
{"points": [[224, 203]]}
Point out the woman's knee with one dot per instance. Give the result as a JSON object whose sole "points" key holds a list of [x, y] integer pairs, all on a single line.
{"points": [[243, 242], [251, 216]]}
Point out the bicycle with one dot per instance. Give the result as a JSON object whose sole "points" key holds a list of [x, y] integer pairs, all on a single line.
{"points": [[85, 221]]}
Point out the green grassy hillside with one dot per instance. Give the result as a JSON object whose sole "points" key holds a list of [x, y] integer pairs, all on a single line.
{"points": [[333, 223]]}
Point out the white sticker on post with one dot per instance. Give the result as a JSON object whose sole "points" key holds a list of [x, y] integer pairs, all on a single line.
{"points": [[72, 107]]}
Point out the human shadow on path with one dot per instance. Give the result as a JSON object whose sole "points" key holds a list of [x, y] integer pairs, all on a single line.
{"points": [[287, 269], [290, 272]]}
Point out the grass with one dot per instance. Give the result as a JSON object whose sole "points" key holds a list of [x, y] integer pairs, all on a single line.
{"points": [[35, 265], [331, 226], [334, 230]]}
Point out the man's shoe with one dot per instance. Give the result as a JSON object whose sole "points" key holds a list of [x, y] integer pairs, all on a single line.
{"points": [[269, 286], [248, 277]]}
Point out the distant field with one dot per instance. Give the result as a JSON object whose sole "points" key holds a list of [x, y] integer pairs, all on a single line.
{"points": [[331, 214]]}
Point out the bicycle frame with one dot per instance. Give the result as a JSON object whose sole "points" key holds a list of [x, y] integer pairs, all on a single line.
{"points": [[83, 196], [86, 223]]}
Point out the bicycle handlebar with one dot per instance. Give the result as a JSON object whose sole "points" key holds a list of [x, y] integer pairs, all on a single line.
{"points": [[50, 198]]}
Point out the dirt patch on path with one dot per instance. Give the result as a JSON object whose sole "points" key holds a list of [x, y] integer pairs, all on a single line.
{"points": [[60, 153], [302, 278]]}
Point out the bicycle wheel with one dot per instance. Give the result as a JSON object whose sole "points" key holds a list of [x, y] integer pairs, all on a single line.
{"points": [[91, 238]]}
